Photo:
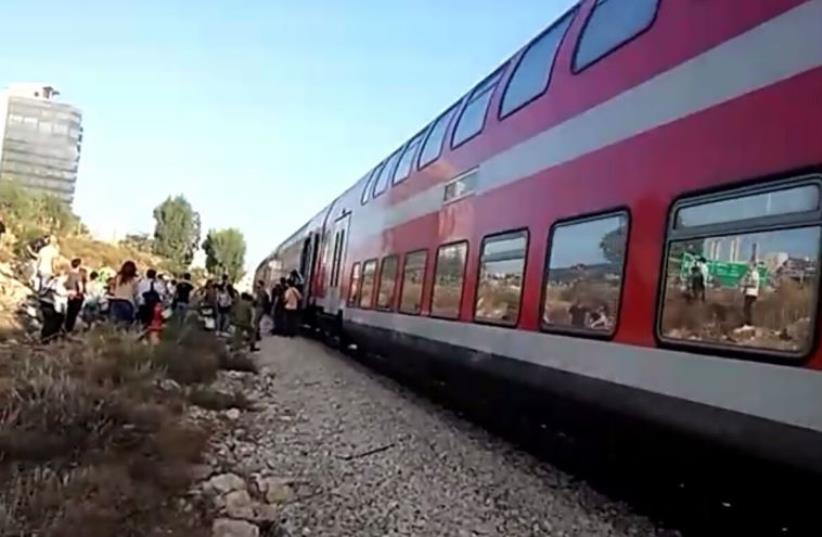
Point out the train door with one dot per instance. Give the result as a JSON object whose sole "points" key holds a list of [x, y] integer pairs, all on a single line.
{"points": [[308, 261], [340, 240]]}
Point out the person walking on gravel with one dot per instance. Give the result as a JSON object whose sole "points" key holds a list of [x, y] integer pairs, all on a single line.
{"points": [[242, 317], [225, 301], [292, 308], [262, 305], [278, 308]]}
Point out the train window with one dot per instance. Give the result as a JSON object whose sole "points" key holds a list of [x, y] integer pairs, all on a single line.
{"points": [[366, 190], [502, 266], [413, 276], [432, 148], [533, 72], [381, 185], [611, 24], [790, 200], [354, 285], [448, 279], [388, 282], [583, 280], [748, 277], [339, 258], [339, 243], [369, 271], [460, 187], [472, 118], [407, 159], [330, 256]]}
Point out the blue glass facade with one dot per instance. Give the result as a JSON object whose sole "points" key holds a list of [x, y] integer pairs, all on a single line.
{"points": [[41, 145]]}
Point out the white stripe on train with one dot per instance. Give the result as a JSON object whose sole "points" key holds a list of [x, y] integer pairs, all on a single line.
{"points": [[783, 394]]}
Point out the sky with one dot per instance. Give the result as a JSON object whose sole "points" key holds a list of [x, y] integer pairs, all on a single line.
{"points": [[260, 112]]}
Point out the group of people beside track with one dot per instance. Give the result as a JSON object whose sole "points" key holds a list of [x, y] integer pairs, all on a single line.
{"points": [[68, 292], [240, 315], [127, 299]]}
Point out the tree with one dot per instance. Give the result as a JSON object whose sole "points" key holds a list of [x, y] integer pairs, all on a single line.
{"points": [[613, 245], [177, 231], [225, 252], [139, 241], [29, 212]]}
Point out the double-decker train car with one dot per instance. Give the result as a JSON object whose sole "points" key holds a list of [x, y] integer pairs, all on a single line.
{"points": [[626, 213]]}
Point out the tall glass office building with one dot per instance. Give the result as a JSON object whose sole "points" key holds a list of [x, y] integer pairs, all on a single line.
{"points": [[41, 140]]}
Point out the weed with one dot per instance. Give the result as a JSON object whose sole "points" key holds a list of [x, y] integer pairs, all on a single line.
{"points": [[88, 440]]}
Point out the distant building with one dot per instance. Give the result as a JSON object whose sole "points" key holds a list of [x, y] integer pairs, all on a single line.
{"points": [[40, 140]]}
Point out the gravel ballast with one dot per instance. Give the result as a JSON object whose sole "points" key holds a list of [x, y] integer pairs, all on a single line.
{"points": [[353, 453]]}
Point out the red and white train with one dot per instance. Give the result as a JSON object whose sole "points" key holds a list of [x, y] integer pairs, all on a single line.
{"points": [[625, 213]]}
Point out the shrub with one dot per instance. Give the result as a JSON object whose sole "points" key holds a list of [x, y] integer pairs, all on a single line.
{"points": [[89, 440]]}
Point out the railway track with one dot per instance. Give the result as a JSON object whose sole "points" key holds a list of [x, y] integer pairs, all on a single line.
{"points": [[692, 487]]}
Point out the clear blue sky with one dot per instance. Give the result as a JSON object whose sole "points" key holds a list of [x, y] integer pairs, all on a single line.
{"points": [[259, 111]]}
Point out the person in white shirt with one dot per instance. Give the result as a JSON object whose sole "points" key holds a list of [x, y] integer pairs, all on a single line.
{"points": [[45, 257], [53, 297], [150, 291], [94, 298], [750, 291]]}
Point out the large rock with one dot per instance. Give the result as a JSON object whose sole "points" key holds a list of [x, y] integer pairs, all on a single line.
{"points": [[275, 489], [225, 483], [225, 527], [265, 513], [238, 504]]}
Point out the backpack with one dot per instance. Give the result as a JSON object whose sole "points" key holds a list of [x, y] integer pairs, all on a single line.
{"points": [[151, 297]]}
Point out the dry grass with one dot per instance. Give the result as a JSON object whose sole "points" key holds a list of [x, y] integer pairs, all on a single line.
{"points": [[591, 294], [211, 399], [498, 300], [781, 316], [446, 301], [90, 442], [411, 298], [99, 254]]}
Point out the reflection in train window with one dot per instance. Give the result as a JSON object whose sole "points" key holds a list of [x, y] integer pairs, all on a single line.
{"points": [[354, 284], [382, 181], [413, 276], [583, 283], [369, 271], [502, 266], [754, 290], [448, 280], [338, 254], [407, 160], [366, 191], [612, 24], [432, 148], [388, 282], [472, 118], [533, 72]]}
